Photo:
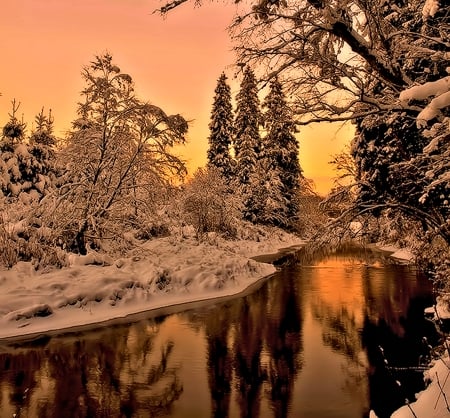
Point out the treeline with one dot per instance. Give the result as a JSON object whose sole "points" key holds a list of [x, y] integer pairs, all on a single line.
{"points": [[256, 151], [114, 179]]}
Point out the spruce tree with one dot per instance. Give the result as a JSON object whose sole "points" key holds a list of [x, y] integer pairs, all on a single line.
{"points": [[221, 129], [42, 147], [247, 140], [27, 167], [247, 145], [281, 154], [13, 153]]}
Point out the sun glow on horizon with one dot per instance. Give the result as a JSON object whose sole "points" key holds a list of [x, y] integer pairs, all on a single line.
{"points": [[174, 61]]}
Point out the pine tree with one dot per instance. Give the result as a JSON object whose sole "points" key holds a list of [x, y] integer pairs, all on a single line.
{"points": [[281, 153], [247, 140], [13, 155], [221, 129], [42, 147], [26, 168], [247, 145]]}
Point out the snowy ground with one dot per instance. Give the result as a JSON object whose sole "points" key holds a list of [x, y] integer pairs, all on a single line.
{"points": [[162, 272], [434, 401]]}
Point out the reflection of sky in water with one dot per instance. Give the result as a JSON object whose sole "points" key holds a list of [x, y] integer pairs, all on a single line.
{"points": [[295, 347]]}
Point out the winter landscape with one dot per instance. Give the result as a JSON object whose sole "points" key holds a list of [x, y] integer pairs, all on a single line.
{"points": [[127, 271]]}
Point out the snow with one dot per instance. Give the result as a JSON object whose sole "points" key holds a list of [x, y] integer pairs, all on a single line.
{"points": [[432, 402], [160, 273], [440, 89], [403, 254], [399, 254], [430, 8]]}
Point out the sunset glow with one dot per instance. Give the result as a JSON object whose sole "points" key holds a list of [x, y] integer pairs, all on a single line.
{"points": [[174, 61]]}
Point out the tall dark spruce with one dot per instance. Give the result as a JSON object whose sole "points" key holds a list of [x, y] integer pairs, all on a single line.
{"points": [[247, 141], [221, 129], [282, 155]]}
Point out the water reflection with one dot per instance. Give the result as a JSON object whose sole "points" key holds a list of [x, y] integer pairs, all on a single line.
{"points": [[113, 372], [306, 344]]}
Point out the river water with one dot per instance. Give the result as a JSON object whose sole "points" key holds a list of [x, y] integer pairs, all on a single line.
{"points": [[322, 338]]}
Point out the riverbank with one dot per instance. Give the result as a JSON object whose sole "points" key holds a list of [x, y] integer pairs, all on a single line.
{"points": [[434, 401], [161, 274]]}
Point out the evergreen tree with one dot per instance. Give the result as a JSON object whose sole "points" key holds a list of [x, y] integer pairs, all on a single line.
{"points": [[247, 140], [281, 152], [247, 144], [42, 147], [13, 155], [221, 129], [26, 168]]}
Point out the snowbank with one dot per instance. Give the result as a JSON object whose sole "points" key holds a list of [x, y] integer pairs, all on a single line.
{"points": [[399, 254], [433, 401], [159, 273]]}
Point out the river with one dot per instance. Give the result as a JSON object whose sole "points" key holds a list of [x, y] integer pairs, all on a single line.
{"points": [[327, 336]]}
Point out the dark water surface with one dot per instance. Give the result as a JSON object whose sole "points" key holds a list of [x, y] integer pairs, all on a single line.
{"points": [[305, 344]]}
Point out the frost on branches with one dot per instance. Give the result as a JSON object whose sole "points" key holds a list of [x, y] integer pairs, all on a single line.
{"points": [[117, 158]]}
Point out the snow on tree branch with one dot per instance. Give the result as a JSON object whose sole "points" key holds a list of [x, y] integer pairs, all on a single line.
{"points": [[440, 89], [430, 8]]}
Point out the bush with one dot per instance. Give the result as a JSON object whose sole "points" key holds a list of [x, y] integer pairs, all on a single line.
{"points": [[210, 205]]}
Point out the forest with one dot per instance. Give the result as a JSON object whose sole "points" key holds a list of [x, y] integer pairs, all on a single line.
{"points": [[382, 65]]}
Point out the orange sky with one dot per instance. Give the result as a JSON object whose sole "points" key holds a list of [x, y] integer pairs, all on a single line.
{"points": [[175, 63]]}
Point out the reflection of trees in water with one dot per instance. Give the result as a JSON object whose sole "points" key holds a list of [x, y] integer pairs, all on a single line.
{"points": [[247, 347], [388, 293], [115, 374], [401, 341], [19, 376], [219, 362], [347, 252], [254, 349], [284, 341], [342, 333]]}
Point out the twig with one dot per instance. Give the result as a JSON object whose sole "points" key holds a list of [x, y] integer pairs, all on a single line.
{"points": [[442, 391]]}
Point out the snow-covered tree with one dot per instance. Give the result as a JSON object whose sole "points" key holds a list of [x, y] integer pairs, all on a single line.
{"points": [[247, 139], [221, 129], [281, 151], [265, 204], [247, 142], [42, 143], [370, 62], [24, 174], [117, 157]]}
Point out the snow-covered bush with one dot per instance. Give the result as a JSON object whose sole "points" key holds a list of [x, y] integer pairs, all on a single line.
{"points": [[210, 205]]}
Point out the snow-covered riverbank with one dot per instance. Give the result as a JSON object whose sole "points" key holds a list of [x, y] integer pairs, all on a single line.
{"points": [[434, 401], [160, 273]]}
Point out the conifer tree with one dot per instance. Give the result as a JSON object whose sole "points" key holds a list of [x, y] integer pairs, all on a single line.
{"points": [[247, 140], [42, 147], [13, 154], [26, 168], [221, 129], [247, 145], [281, 153]]}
